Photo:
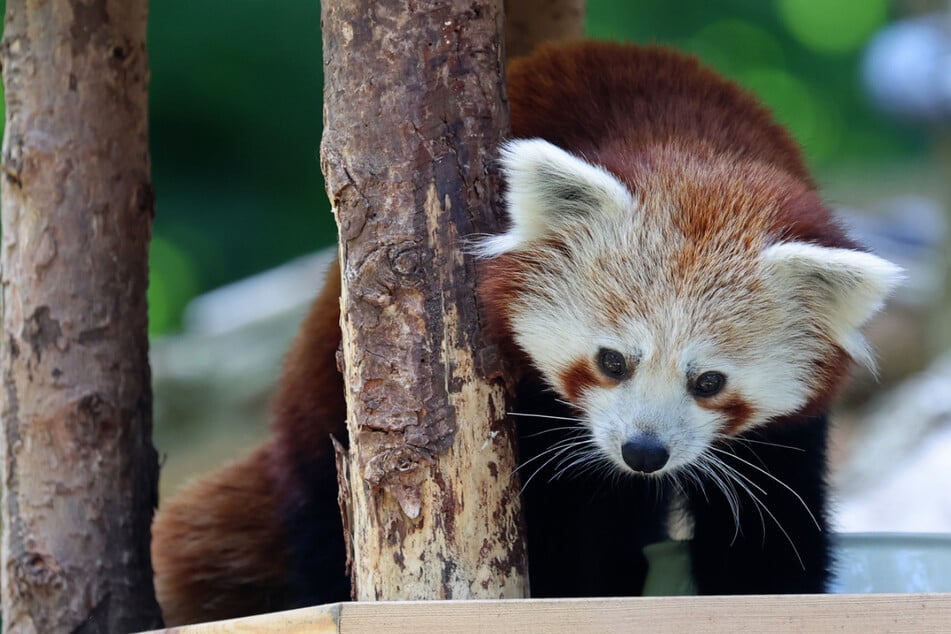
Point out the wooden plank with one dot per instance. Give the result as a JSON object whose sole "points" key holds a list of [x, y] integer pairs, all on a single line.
{"points": [[322, 619], [861, 614], [659, 615]]}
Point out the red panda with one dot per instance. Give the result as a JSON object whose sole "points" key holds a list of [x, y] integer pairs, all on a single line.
{"points": [[681, 308]]}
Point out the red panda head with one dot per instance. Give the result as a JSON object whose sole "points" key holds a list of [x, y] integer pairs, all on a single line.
{"points": [[674, 298]]}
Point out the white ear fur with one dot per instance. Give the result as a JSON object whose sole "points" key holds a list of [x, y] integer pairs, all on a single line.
{"points": [[547, 186], [843, 287]]}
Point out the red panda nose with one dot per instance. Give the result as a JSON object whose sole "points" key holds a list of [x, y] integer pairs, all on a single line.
{"points": [[644, 454]]}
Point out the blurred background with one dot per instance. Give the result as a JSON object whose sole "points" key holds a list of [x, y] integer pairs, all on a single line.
{"points": [[864, 85]]}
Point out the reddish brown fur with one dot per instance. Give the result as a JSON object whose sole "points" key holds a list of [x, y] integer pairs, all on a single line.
{"points": [[554, 96], [219, 548], [737, 411], [674, 126], [310, 403], [578, 378]]}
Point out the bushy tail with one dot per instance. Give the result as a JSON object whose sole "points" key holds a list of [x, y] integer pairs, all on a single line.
{"points": [[218, 547]]}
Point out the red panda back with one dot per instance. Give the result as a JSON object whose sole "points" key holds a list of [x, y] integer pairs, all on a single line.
{"points": [[641, 96]]}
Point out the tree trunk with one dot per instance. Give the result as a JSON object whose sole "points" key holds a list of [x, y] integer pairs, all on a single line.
{"points": [[79, 469], [414, 110], [530, 22]]}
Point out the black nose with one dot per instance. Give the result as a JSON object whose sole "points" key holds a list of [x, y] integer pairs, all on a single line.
{"points": [[644, 454]]}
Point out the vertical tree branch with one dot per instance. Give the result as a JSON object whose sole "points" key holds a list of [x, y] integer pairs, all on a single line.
{"points": [[530, 22], [414, 111], [79, 469]]}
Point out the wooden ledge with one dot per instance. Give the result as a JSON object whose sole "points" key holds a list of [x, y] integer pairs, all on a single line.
{"points": [[862, 614]]}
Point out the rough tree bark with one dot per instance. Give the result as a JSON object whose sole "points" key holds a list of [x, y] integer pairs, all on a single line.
{"points": [[413, 112], [79, 469], [529, 22]]}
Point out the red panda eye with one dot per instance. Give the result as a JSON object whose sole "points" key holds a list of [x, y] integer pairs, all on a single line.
{"points": [[707, 384], [612, 363]]}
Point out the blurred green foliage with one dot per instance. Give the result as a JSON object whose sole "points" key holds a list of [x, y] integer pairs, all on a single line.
{"points": [[235, 132], [236, 114], [800, 56]]}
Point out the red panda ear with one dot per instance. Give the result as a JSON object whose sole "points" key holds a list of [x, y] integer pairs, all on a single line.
{"points": [[547, 187], [842, 288]]}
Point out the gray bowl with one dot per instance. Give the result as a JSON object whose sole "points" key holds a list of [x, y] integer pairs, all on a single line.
{"points": [[892, 562], [865, 562]]}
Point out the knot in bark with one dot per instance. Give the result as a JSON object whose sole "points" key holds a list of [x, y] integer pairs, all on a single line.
{"points": [[393, 465], [405, 261]]}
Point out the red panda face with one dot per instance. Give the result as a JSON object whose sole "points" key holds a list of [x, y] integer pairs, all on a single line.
{"points": [[667, 308]]}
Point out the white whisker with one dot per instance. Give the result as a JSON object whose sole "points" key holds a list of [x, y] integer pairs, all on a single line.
{"points": [[761, 442], [548, 416], [585, 458], [775, 479], [707, 464], [562, 445], [578, 431], [745, 483], [780, 527], [556, 452]]}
